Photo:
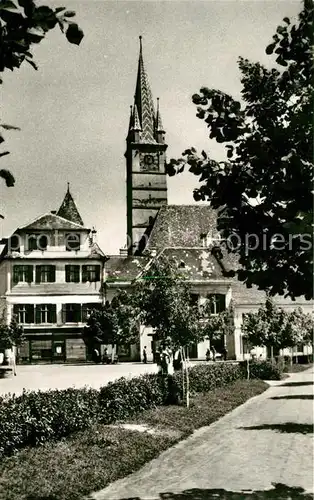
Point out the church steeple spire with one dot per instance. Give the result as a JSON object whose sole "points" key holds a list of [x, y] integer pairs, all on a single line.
{"points": [[145, 163], [144, 102]]}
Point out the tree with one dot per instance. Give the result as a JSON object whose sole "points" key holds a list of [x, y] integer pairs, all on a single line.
{"points": [[115, 323], [273, 327], [23, 24], [11, 335], [165, 301], [262, 191], [217, 325]]}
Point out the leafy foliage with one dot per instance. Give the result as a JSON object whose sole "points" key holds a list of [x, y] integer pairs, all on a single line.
{"points": [[11, 335], [115, 323], [214, 326], [164, 298], [262, 369], [23, 24], [271, 326], [263, 188], [37, 417]]}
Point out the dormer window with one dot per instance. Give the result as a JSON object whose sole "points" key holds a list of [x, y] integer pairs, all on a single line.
{"points": [[72, 242], [15, 243]]}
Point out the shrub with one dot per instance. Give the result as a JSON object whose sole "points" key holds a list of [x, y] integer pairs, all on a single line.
{"points": [[262, 369], [124, 397], [37, 417], [205, 377]]}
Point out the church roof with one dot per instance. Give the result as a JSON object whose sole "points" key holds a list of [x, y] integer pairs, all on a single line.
{"points": [[182, 225], [143, 116], [68, 209]]}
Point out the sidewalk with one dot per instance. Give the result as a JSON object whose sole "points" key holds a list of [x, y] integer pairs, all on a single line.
{"points": [[267, 440]]}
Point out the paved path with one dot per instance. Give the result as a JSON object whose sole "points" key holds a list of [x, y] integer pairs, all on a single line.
{"points": [[44, 377], [267, 440]]}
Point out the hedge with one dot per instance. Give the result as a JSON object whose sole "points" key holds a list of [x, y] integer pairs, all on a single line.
{"points": [[262, 369], [36, 417]]}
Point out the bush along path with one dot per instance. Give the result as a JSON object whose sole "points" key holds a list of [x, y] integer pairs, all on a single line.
{"points": [[90, 459]]}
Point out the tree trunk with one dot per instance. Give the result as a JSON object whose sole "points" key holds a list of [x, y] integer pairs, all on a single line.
{"points": [[248, 367], [187, 379], [272, 354], [182, 369], [112, 353]]}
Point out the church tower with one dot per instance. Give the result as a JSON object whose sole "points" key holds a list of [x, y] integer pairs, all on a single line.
{"points": [[145, 162]]}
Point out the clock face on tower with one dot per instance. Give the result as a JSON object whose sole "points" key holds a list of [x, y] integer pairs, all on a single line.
{"points": [[149, 162]]}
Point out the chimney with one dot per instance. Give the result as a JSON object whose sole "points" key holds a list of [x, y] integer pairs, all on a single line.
{"points": [[92, 236]]}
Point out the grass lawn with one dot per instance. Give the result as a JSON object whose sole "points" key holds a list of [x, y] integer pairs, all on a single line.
{"points": [[90, 460]]}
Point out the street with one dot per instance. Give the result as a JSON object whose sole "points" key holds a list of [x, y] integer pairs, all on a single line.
{"points": [[266, 441], [44, 377]]}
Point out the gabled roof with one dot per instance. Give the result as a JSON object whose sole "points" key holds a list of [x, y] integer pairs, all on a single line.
{"points": [[181, 225], [68, 209], [51, 221]]}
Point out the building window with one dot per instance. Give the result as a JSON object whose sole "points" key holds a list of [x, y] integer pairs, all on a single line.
{"points": [[72, 313], [194, 297], [15, 243], [22, 274], [24, 313], [46, 313], [72, 241], [217, 302], [37, 242], [87, 310], [45, 274], [72, 274], [90, 273]]}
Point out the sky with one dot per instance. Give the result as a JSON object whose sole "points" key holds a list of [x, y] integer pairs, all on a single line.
{"points": [[73, 112]]}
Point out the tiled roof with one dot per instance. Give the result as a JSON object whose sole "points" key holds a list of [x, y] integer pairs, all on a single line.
{"points": [[69, 211], [196, 264], [181, 225], [125, 269], [52, 221]]}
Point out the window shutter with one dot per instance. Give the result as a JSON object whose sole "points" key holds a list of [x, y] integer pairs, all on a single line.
{"points": [[76, 274], [84, 274], [16, 274], [29, 313], [52, 316], [63, 313], [84, 312], [29, 275], [38, 310], [221, 303], [77, 312], [38, 274], [97, 273], [52, 274], [67, 274]]}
